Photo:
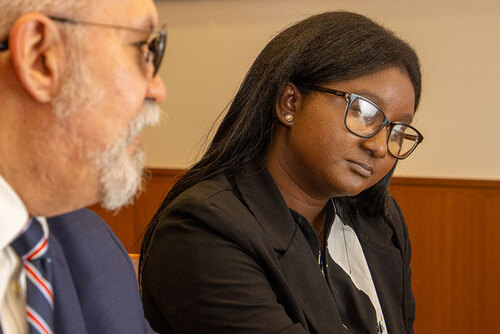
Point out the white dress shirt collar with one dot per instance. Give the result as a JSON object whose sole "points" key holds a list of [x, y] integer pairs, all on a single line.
{"points": [[13, 214], [13, 218]]}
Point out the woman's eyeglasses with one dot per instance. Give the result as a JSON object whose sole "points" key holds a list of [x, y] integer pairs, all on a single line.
{"points": [[156, 43], [365, 119]]}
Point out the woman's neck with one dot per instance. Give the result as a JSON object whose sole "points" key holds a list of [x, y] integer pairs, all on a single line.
{"points": [[296, 198]]}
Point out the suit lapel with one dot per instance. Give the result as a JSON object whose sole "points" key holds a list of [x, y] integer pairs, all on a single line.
{"points": [[385, 263], [298, 264], [303, 273], [68, 315]]}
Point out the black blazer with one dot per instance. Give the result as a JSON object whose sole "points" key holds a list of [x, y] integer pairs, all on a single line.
{"points": [[227, 257]]}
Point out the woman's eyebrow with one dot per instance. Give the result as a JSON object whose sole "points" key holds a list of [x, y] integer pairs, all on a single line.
{"points": [[371, 96], [406, 118]]}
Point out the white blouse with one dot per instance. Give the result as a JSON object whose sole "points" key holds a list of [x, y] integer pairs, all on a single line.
{"points": [[346, 251]]}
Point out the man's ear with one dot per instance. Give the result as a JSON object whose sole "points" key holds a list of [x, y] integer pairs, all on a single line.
{"points": [[38, 55], [287, 104]]}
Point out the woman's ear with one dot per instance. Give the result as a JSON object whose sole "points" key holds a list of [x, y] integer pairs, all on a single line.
{"points": [[38, 55], [287, 104]]}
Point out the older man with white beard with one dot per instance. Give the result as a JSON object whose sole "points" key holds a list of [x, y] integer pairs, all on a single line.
{"points": [[78, 81]]}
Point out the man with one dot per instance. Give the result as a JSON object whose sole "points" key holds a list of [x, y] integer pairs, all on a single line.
{"points": [[77, 83]]}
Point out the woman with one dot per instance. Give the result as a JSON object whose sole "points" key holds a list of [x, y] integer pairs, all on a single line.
{"points": [[286, 224]]}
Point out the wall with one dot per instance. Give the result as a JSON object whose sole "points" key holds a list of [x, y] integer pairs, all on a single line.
{"points": [[212, 43]]}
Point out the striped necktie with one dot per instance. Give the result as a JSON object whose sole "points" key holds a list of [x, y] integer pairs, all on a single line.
{"points": [[31, 246]]}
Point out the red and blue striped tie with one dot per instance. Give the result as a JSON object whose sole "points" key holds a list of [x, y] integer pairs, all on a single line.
{"points": [[31, 246]]}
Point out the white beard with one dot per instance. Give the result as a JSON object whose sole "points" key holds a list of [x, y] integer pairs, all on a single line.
{"points": [[120, 175]]}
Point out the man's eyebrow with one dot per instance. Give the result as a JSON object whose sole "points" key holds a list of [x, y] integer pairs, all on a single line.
{"points": [[146, 23]]}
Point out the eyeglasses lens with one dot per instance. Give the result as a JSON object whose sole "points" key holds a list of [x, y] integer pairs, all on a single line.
{"points": [[402, 140], [364, 119], [157, 47]]}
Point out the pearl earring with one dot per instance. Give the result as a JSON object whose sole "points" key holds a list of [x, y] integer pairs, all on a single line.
{"points": [[288, 117]]}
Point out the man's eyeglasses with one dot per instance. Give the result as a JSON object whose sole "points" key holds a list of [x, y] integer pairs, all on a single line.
{"points": [[153, 49], [365, 119]]}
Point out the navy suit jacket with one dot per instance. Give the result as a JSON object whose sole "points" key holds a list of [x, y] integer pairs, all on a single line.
{"points": [[95, 288]]}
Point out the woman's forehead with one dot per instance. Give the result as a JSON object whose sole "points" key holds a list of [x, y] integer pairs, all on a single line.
{"points": [[389, 89]]}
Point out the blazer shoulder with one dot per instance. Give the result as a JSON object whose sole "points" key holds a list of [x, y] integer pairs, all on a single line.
{"points": [[207, 189], [215, 200], [211, 205], [84, 226], [101, 273]]}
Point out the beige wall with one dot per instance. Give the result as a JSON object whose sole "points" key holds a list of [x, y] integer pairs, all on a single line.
{"points": [[212, 43]]}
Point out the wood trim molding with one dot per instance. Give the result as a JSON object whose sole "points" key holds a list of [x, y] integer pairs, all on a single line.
{"points": [[448, 183]]}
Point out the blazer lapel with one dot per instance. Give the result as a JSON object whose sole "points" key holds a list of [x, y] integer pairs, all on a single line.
{"points": [[298, 263], [68, 315], [385, 263], [304, 275]]}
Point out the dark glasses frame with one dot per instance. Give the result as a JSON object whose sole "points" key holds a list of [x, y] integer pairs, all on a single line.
{"points": [[350, 98], [156, 46]]}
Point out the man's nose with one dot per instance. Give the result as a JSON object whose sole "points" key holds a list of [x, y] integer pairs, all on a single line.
{"points": [[156, 89]]}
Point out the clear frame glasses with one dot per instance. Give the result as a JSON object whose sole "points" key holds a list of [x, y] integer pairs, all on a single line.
{"points": [[365, 119], [153, 48]]}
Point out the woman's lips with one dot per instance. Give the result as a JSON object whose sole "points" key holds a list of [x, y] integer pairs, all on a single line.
{"points": [[360, 168]]}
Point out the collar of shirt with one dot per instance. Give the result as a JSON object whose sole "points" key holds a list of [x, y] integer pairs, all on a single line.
{"points": [[13, 218], [308, 230], [13, 214]]}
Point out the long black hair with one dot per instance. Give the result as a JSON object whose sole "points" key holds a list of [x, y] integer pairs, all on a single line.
{"points": [[323, 48]]}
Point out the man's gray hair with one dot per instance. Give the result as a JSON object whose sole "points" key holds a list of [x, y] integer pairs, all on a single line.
{"points": [[71, 96], [11, 10]]}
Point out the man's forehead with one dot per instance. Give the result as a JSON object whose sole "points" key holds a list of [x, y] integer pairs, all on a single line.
{"points": [[133, 13]]}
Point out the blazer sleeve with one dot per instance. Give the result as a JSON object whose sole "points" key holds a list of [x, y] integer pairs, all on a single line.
{"points": [[202, 275], [406, 252]]}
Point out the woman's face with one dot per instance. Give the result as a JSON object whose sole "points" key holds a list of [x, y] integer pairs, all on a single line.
{"points": [[320, 155]]}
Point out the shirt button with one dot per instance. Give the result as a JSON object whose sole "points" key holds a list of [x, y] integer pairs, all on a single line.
{"points": [[16, 288]]}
